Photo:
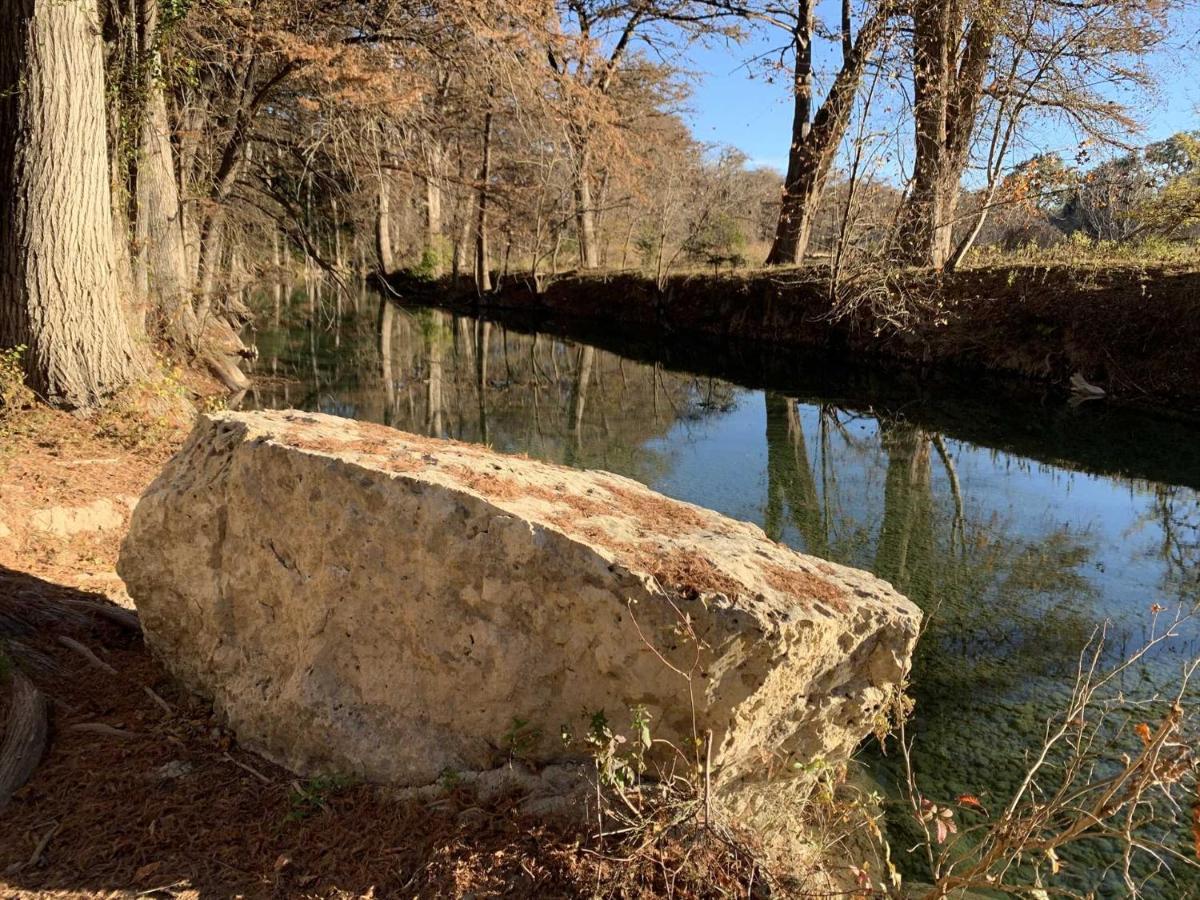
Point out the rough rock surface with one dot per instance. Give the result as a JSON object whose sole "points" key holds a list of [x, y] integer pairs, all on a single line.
{"points": [[362, 600]]}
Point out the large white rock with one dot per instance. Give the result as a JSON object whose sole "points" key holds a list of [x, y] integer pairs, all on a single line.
{"points": [[362, 600]]}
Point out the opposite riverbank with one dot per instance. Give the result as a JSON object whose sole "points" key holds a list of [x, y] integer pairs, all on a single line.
{"points": [[1130, 330]]}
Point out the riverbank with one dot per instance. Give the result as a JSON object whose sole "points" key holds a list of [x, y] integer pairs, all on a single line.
{"points": [[1131, 330]]}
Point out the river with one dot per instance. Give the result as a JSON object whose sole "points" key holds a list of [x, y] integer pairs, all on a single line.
{"points": [[1019, 523]]}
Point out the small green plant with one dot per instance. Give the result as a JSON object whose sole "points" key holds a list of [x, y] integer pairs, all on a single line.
{"points": [[428, 267], [620, 762], [449, 779], [521, 738], [311, 796]]}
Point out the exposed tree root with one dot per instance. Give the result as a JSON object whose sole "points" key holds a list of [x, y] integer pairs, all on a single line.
{"points": [[26, 732]]}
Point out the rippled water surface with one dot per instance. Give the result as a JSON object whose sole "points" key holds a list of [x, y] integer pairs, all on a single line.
{"points": [[1018, 525]]}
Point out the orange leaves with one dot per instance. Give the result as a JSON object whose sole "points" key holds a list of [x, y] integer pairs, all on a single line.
{"points": [[1142, 730], [972, 801]]}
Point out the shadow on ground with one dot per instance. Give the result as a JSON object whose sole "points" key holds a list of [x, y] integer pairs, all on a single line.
{"points": [[143, 793], [146, 800]]}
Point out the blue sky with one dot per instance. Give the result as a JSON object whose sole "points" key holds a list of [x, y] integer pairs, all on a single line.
{"points": [[731, 106]]}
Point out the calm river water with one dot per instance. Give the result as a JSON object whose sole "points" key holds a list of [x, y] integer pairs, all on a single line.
{"points": [[1020, 525]]}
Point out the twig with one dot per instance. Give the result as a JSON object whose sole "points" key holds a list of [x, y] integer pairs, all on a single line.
{"points": [[708, 778], [162, 704], [86, 654], [42, 844], [101, 728], [253, 771]]}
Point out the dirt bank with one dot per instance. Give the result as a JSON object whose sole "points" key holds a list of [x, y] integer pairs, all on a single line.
{"points": [[1132, 330]]}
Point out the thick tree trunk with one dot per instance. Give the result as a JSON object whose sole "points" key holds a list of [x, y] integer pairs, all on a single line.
{"points": [[58, 280], [161, 264], [796, 211], [211, 231], [483, 275], [814, 143], [947, 90]]}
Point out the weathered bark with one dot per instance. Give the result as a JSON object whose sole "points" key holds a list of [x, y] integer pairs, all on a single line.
{"points": [[483, 275], [160, 266], [947, 90], [815, 140], [58, 280], [384, 255], [194, 120], [26, 732]]}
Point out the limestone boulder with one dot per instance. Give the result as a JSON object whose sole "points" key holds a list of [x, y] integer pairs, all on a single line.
{"points": [[360, 600]]}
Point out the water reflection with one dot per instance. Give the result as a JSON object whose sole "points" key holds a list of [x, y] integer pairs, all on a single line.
{"points": [[1014, 561]]}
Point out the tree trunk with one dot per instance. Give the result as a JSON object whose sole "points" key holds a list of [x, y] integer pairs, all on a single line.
{"points": [[585, 213], [814, 143], [383, 229], [58, 279], [161, 265], [947, 89], [483, 275], [795, 215], [462, 223], [433, 210]]}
